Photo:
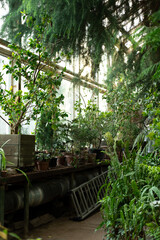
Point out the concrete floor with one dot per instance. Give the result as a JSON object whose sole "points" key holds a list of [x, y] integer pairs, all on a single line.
{"points": [[65, 229]]}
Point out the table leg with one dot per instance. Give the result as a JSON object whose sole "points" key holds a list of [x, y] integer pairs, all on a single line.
{"points": [[2, 196], [26, 208]]}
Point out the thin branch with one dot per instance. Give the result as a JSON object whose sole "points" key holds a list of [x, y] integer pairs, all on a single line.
{"points": [[36, 71], [5, 120], [22, 114]]}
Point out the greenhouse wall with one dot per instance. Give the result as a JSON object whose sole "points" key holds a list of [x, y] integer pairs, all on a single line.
{"points": [[72, 92], [4, 127]]}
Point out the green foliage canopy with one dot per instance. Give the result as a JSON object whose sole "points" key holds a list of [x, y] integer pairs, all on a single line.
{"points": [[88, 27], [40, 83]]}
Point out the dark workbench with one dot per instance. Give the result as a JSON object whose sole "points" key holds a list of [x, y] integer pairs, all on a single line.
{"points": [[33, 176]]}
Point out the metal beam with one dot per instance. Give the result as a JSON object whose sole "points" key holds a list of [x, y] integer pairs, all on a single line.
{"points": [[68, 75]]}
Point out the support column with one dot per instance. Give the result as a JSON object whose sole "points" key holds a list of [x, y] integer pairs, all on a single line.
{"points": [[74, 89], [2, 197], [74, 100], [98, 92], [26, 209]]}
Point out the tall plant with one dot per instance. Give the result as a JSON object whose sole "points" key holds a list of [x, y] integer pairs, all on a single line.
{"points": [[40, 83], [52, 130], [150, 68], [131, 198], [127, 115]]}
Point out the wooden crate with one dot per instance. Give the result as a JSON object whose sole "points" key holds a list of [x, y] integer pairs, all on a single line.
{"points": [[19, 150]]}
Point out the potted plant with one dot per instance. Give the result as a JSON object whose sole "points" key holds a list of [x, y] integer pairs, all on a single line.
{"points": [[40, 85], [42, 160], [79, 136], [52, 131], [71, 155]]}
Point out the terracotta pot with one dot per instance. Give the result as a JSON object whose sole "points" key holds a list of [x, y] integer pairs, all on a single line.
{"points": [[71, 160], [3, 173], [85, 156], [61, 161], [53, 162], [81, 161], [42, 165], [100, 155], [92, 158]]}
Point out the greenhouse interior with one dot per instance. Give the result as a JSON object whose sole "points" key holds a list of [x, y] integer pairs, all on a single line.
{"points": [[80, 119]]}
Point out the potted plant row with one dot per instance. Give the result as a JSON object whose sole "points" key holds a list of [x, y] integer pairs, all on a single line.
{"points": [[76, 142], [88, 129]]}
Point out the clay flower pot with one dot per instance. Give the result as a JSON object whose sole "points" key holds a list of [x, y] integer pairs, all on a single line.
{"points": [[69, 160], [53, 162], [61, 161], [42, 165], [3, 173], [92, 158]]}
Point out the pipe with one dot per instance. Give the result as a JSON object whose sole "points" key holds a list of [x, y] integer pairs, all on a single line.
{"points": [[44, 192]]}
